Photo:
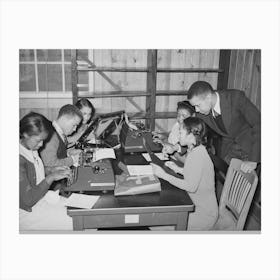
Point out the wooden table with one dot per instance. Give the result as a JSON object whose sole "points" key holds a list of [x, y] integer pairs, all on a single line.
{"points": [[171, 206]]}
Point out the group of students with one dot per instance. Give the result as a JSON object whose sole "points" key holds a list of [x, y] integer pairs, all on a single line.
{"points": [[40, 208], [41, 177]]}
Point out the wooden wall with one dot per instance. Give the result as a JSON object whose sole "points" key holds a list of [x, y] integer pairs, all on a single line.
{"points": [[182, 81], [245, 73], [133, 81]]}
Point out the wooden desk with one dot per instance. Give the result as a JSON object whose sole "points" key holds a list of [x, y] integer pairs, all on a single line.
{"points": [[171, 206]]}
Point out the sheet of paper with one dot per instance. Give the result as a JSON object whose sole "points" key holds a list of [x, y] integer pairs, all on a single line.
{"points": [[105, 153], [92, 141], [136, 170], [159, 155], [81, 200]]}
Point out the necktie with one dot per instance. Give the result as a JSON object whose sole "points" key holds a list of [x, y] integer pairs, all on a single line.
{"points": [[65, 140]]}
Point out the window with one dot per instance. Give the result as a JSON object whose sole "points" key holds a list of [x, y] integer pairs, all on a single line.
{"points": [[47, 70]]}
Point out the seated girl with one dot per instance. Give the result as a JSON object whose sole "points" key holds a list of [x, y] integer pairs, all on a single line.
{"points": [[88, 111], [40, 209], [184, 110], [198, 172]]}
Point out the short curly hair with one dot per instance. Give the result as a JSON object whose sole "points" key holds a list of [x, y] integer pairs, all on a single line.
{"points": [[198, 128], [185, 105]]}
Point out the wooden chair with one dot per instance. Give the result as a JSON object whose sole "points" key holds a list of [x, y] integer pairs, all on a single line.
{"points": [[236, 198]]}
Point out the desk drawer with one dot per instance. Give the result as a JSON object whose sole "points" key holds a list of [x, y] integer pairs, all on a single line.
{"points": [[122, 220]]}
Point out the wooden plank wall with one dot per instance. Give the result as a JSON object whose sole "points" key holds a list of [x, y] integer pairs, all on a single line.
{"points": [[245, 73], [135, 81], [182, 81]]}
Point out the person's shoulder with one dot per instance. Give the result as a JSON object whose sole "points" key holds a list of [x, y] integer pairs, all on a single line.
{"points": [[22, 160], [231, 93], [24, 163]]}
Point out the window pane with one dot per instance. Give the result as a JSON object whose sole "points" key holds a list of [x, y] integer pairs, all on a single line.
{"points": [[54, 55], [67, 68], [49, 55], [83, 77], [27, 77], [26, 55], [50, 77], [42, 76], [82, 53], [67, 55], [42, 55]]}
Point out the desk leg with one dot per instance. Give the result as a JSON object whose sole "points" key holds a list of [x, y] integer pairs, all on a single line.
{"points": [[182, 221], [78, 222]]}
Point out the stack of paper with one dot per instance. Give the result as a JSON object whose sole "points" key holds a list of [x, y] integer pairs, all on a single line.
{"points": [[81, 200], [137, 170], [104, 153]]}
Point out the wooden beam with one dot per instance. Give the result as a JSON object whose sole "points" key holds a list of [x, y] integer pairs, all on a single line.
{"points": [[113, 69], [74, 75], [115, 86], [224, 65], [151, 87], [99, 94], [189, 70]]}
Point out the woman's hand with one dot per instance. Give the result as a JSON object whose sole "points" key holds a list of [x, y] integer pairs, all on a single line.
{"points": [[158, 171], [172, 165], [169, 148], [58, 175], [74, 152]]}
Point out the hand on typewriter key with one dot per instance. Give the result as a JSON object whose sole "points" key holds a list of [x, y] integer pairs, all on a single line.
{"points": [[74, 152], [158, 171], [58, 175], [172, 165]]}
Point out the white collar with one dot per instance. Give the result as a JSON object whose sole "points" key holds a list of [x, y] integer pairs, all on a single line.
{"points": [[28, 154], [33, 157], [58, 130], [217, 107]]}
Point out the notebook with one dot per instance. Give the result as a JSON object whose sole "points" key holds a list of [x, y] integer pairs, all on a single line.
{"points": [[158, 161]]}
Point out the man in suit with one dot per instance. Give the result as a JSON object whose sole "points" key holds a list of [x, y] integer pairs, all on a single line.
{"points": [[234, 117]]}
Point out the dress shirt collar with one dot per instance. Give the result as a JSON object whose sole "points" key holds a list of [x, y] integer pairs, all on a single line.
{"points": [[217, 107], [58, 130]]}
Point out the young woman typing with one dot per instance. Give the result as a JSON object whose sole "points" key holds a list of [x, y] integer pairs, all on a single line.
{"points": [[40, 209], [198, 172]]}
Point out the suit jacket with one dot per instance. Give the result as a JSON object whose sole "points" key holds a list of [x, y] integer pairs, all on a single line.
{"points": [[54, 151], [242, 121]]}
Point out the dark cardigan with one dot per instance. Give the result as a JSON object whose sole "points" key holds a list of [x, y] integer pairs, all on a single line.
{"points": [[29, 192]]}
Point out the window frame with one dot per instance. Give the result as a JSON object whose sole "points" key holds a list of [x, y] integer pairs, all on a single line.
{"points": [[47, 94]]}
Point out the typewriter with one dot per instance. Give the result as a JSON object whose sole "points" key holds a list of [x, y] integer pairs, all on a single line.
{"points": [[132, 140], [91, 175], [105, 129]]}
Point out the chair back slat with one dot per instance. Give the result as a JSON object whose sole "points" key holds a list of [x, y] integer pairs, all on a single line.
{"points": [[243, 198], [241, 191], [236, 182], [237, 195]]}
